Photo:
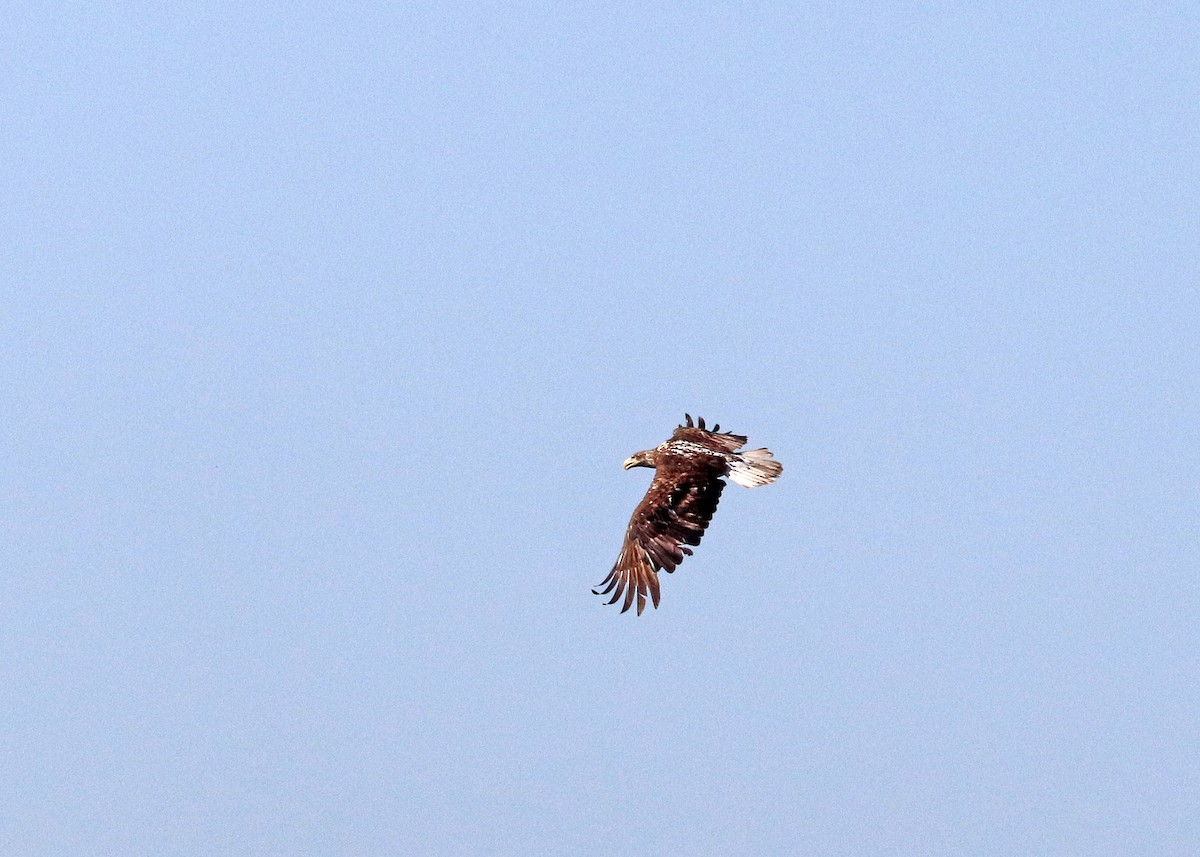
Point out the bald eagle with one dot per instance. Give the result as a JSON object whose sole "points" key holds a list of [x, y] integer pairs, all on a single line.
{"points": [[688, 480]]}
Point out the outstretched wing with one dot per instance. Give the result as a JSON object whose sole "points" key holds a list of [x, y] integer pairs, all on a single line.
{"points": [[718, 441], [674, 514]]}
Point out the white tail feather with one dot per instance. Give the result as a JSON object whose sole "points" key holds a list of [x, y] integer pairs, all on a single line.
{"points": [[754, 467]]}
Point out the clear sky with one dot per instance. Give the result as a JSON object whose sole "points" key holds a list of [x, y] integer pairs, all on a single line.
{"points": [[327, 327]]}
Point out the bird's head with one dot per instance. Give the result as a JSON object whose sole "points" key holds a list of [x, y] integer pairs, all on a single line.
{"points": [[645, 458]]}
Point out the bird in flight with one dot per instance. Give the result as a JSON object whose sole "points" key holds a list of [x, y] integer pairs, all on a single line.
{"points": [[688, 480]]}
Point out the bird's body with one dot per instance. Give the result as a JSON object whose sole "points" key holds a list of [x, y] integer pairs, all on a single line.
{"points": [[689, 477]]}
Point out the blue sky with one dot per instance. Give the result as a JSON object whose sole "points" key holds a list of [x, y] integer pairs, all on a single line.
{"points": [[328, 328]]}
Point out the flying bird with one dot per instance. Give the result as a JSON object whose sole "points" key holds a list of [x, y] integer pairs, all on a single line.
{"points": [[688, 480]]}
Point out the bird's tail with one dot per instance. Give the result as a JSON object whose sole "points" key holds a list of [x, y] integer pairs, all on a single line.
{"points": [[754, 467]]}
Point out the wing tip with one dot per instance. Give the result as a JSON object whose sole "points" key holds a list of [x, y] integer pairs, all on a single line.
{"points": [[632, 581]]}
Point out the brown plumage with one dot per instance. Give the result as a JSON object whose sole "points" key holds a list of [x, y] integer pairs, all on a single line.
{"points": [[672, 517]]}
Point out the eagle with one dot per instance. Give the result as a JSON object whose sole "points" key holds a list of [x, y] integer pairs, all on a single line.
{"points": [[690, 471]]}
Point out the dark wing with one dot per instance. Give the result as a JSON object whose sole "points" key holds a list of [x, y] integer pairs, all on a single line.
{"points": [[674, 514], [720, 441]]}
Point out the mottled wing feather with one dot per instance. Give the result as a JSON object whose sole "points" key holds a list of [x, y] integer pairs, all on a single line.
{"points": [[717, 441], [674, 513]]}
